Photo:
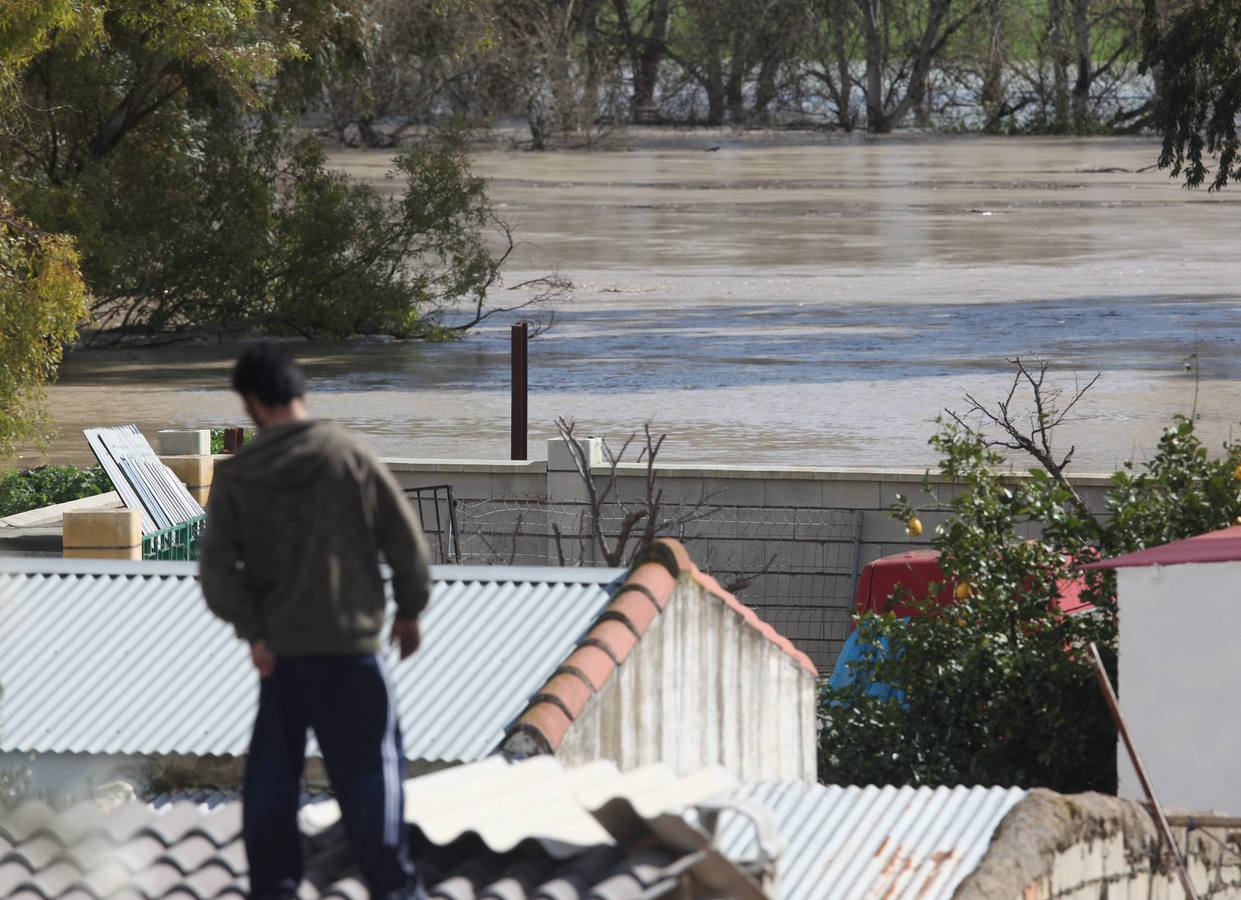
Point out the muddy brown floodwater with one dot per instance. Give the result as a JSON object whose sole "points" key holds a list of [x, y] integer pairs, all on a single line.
{"points": [[788, 301]]}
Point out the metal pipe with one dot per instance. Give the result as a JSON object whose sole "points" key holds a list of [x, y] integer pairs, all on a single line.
{"points": [[520, 336], [1161, 821]]}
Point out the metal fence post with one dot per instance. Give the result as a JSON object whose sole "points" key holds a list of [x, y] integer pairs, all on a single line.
{"points": [[519, 339]]}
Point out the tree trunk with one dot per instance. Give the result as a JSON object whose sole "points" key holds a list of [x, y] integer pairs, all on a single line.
{"points": [[737, 69], [993, 98], [839, 17], [590, 29], [765, 85], [715, 86], [885, 119], [646, 52], [1085, 73], [876, 121], [1059, 64]]}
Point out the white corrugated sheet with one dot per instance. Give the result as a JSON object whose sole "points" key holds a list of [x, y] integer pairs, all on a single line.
{"points": [[564, 809], [112, 657], [854, 843]]}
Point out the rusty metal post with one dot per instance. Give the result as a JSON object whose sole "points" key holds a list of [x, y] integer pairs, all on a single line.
{"points": [[1161, 821], [234, 438], [520, 337]]}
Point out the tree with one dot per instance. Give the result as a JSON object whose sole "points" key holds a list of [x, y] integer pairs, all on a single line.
{"points": [[42, 301], [163, 138], [644, 35], [42, 296], [996, 687], [723, 44], [1192, 54]]}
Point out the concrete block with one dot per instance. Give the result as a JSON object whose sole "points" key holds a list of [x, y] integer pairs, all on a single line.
{"points": [[560, 456], [195, 472], [518, 487], [912, 491], [793, 493], [734, 491], [130, 553], [184, 443], [879, 526], [852, 494], [103, 534]]}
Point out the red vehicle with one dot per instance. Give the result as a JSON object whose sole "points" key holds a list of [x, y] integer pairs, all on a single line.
{"points": [[916, 571]]}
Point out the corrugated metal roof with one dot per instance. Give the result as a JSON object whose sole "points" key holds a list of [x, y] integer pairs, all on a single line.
{"points": [[629, 840], [505, 803], [111, 657], [853, 843]]}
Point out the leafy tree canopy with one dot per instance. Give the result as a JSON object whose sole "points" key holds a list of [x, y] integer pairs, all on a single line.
{"points": [[996, 687], [162, 136], [1193, 55], [42, 300]]}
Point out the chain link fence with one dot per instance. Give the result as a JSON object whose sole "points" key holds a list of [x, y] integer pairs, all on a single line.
{"points": [[796, 567]]}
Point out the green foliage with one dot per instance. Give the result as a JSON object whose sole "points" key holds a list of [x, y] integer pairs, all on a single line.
{"points": [[42, 300], [217, 439], [48, 485], [1193, 54], [276, 242], [1181, 492], [194, 201], [996, 687]]}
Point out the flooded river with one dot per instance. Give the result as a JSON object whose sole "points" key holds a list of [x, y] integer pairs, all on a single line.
{"points": [[790, 301]]}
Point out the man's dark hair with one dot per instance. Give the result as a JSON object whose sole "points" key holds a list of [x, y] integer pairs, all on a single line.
{"points": [[269, 372]]}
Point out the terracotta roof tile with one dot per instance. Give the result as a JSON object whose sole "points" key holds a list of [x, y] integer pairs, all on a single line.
{"points": [[635, 610], [651, 580], [591, 663], [546, 722], [614, 638], [568, 691]]}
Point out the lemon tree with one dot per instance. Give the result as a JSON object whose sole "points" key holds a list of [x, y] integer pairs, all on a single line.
{"points": [[995, 687]]}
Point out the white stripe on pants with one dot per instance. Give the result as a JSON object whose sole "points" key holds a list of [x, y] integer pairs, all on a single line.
{"points": [[391, 766]]}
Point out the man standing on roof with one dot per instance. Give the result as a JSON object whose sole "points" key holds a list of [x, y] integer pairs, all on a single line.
{"points": [[291, 559]]}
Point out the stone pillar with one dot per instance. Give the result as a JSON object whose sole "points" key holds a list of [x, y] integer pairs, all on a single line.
{"points": [[195, 472], [103, 534], [185, 443], [568, 501]]}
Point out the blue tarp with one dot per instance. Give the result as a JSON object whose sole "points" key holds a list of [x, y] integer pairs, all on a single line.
{"points": [[855, 660]]}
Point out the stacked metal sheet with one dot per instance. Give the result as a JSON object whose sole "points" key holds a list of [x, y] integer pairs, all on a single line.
{"points": [[143, 482]]}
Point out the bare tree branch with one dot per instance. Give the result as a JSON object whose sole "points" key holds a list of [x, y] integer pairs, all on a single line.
{"points": [[1031, 431]]}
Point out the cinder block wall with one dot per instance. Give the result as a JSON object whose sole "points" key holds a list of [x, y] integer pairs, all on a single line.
{"points": [[811, 528]]}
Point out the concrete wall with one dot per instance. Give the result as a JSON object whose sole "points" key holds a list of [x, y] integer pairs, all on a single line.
{"points": [[819, 525], [1178, 682], [702, 688], [1091, 847]]}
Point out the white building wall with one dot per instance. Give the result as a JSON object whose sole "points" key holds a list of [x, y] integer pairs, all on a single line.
{"points": [[1179, 682], [702, 688]]}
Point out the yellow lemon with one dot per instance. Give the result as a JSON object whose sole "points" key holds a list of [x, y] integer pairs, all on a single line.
{"points": [[1237, 521], [914, 526], [1236, 473], [963, 590]]}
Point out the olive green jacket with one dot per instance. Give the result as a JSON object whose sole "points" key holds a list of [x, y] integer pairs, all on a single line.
{"points": [[296, 525]]}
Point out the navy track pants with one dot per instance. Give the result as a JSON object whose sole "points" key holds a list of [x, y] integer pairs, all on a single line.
{"points": [[348, 702]]}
